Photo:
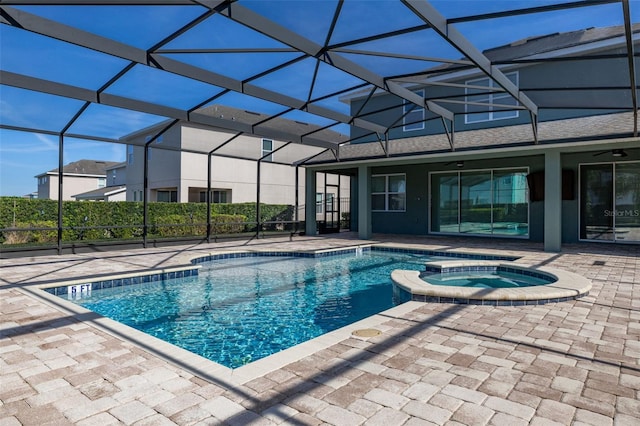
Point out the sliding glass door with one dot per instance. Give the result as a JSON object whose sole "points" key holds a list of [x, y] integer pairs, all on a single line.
{"points": [[480, 202], [610, 202]]}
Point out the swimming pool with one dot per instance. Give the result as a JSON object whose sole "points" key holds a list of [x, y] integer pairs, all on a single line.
{"points": [[241, 309]]}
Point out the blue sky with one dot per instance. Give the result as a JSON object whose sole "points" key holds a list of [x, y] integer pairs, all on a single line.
{"points": [[25, 155]]}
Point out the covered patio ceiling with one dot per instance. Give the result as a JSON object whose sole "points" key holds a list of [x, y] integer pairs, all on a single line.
{"points": [[103, 70]]}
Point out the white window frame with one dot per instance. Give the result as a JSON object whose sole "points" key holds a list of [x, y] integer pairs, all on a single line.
{"points": [[266, 151], [388, 193], [491, 98], [102, 182], [408, 111], [319, 203]]}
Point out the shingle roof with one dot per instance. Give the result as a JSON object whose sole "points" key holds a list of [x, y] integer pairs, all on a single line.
{"points": [[583, 128], [279, 123], [548, 43], [552, 42], [86, 167], [101, 192]]}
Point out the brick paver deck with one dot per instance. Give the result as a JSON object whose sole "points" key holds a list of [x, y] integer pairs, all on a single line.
{"points": [[573, 362]]}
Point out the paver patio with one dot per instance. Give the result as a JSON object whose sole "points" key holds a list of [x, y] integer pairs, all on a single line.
{"points": [[574, 362]]}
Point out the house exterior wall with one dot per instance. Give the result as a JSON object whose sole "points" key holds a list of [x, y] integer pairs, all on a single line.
{"points": [[580, 73], [121, 196], [416, 219], [417, 216], [72, 185], [186, 172], [117, 176], [45, 188]]}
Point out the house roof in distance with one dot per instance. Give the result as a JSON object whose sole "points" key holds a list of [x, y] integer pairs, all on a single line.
{"points": [[100, 192], [84, 167], [295, 127]]}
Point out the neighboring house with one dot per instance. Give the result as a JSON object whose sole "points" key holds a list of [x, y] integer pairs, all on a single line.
{"points": [[580, 181], [79, 177], [116, 189], [177, 175]]}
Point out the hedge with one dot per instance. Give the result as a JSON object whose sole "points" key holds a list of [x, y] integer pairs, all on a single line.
{"points": [[123, 219]]}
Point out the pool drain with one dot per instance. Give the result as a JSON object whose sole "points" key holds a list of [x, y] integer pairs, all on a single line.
{"points": [[367, 332]]}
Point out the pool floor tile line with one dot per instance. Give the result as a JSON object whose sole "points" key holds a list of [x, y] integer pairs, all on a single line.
{"points": [[569, 362]]}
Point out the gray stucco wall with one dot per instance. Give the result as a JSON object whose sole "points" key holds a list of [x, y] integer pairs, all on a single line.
{"points": [[415, 220], [531, 78]]}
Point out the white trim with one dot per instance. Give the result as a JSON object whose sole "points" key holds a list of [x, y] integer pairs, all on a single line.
{"points": [[386, 192], [494, 93], [415, 110]]}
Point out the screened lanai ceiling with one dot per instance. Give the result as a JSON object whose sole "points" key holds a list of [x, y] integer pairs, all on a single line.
{"points": [[305, 73]]}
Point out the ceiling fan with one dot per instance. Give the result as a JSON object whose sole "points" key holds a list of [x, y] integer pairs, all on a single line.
{"points": [[614, 152], [458, 163]]}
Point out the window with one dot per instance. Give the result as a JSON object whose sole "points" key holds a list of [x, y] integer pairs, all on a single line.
{"points": [[388, 192], [319, 205], [218, 196], [267, 148], [135, 195], [167, 196], [102, 182], [43, 180], [480, 113], [480, 202], [113, 177], [129, 154], [413, 115]]}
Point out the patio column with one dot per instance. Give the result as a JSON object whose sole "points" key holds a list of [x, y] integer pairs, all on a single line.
{"points": [[552, 201], [310, 202], [364, 203]]}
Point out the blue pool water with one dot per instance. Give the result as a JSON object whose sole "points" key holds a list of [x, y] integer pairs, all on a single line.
{"points": [[497, 279], [242, 309]]}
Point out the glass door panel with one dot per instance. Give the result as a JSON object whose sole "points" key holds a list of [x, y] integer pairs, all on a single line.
{"points": [[627, 208], [596, 202], [444, 204], [475, 202], [510, 203]]}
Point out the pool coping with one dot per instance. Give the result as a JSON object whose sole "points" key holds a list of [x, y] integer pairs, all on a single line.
{"points": [[567, 286]]}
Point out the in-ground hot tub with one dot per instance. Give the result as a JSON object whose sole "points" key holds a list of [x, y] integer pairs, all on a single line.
{"points": [[488, 283]]}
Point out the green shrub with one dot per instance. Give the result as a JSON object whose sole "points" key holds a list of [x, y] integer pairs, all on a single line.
{"points": [[124, 219], [32, 234], [227, 224]]}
